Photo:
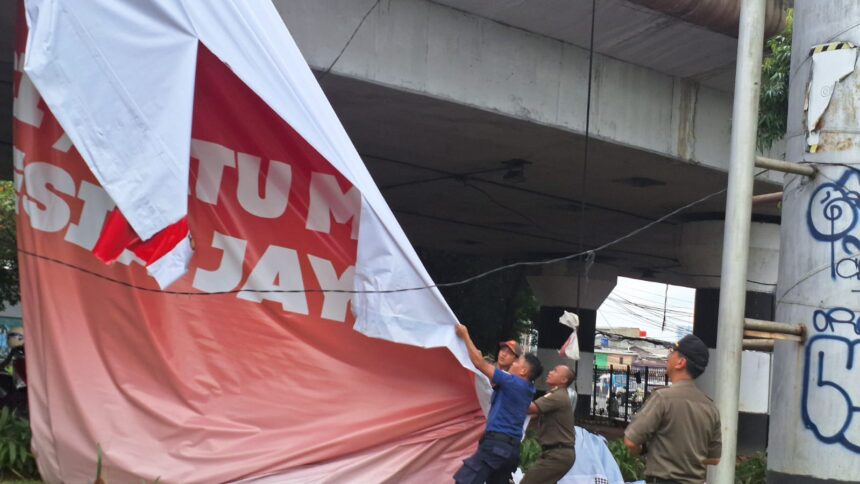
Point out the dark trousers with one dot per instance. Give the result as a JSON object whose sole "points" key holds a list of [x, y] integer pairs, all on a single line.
{"points": [[497, 458]]}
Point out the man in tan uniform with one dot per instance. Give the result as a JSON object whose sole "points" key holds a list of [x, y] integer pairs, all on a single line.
{"points": [[555, 429], [678, 428]]}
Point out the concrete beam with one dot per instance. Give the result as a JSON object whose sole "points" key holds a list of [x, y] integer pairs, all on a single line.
{"points": [[437, 51]]}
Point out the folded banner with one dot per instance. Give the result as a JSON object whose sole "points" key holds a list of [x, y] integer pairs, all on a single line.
{"points": [[245, 368]]}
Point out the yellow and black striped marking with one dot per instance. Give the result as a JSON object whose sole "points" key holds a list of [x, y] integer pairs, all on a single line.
{"points": [[831, 47]]}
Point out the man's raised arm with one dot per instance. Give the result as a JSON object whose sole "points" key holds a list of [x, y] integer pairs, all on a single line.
{"points": [[474, 353]]}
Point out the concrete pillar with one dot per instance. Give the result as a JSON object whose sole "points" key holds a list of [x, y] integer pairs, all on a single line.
{"points": [[700, 254], [556, 288], [815, 414]]}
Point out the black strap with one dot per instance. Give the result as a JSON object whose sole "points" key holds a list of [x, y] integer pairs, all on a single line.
{"points": [[501, 437]]}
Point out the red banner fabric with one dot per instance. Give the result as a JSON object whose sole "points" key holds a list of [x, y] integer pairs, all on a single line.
{"points": [[244, 368]]}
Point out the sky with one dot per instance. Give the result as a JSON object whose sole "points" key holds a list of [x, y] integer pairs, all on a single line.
{"points": [[635, 303]]}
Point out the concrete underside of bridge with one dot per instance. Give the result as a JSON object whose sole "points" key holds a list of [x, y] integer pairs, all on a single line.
{"points": [[439, 97], [443, 167]]}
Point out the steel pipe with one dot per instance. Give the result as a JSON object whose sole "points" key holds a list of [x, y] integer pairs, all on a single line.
{"points": [[785, 166], [736, 238], [773, 327], [718, 15], [759, 345], [767, 335], [767, 198]]}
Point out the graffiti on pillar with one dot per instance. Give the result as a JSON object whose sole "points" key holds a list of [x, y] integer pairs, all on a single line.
{"points": [[832, 216], [831, 378]]}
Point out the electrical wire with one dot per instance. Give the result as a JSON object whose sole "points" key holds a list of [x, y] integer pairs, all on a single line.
{"points": [[674, 327], [590, 253], [616, 336], [584, 179], [348, 41]]}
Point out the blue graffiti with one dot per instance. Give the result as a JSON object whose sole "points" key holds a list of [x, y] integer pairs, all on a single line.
{"points": [[826, 320], [831, 216], [831, 395]]}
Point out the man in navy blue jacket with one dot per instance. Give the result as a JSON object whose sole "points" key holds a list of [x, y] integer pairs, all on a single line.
{"points": [[498, 453]]}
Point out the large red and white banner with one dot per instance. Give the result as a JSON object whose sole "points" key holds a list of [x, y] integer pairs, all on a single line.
{"points": [[243, 368]]}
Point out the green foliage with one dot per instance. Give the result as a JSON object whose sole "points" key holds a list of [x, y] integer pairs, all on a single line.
{"points": [[632, 467], [530, 451], [15, 456], [9, 289], [773, 101], [752, 470], [100, 465]]}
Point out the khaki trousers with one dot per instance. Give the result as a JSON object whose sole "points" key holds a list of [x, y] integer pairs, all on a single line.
{"points": [[551, 467]]}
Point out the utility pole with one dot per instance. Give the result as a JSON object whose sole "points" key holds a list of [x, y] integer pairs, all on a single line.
{"points": [[737, 231], [815, 394]]}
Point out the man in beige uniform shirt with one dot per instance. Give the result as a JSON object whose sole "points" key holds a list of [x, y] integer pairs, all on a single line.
{"points": [[679, 426], [556, 434]]}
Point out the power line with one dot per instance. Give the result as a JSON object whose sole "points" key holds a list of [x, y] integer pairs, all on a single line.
{"points": [[348, 41], [590, 253]]}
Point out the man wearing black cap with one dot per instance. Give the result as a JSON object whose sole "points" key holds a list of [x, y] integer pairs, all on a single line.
{"points": [[679, 425]]}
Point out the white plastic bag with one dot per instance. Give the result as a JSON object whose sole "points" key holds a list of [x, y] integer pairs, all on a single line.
{"points": [[570, 348]]}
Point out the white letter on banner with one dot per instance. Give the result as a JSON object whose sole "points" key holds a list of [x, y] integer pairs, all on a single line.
{"points": [[334, 303], [97, 204], [55, 214], [277, 270], [213, 158], [328, 200], [274, 203], [25, 107], [228, 275], [18, 164]]}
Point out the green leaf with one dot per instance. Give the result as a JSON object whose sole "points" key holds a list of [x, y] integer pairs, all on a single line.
{"points": [[773, 97], [98, 462]]}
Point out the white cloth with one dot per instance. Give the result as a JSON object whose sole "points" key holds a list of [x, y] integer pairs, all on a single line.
{"points": [[594, 462]]}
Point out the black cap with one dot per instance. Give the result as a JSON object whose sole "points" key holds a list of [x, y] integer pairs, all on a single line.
{"points": [[695, 350]]}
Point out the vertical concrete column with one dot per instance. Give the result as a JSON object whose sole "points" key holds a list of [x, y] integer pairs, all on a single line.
{"points": [[556, 288], [815, 415], [700, 253]]}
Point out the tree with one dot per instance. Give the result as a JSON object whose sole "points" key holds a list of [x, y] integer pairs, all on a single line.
{"points": [[773, 101], [10, 292]]}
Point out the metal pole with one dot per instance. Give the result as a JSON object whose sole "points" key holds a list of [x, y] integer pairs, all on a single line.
{"points": [[785, 166], [759, 345], [730, 323], [773, 327], [626, 398], [645, 393], [594, 392]]}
